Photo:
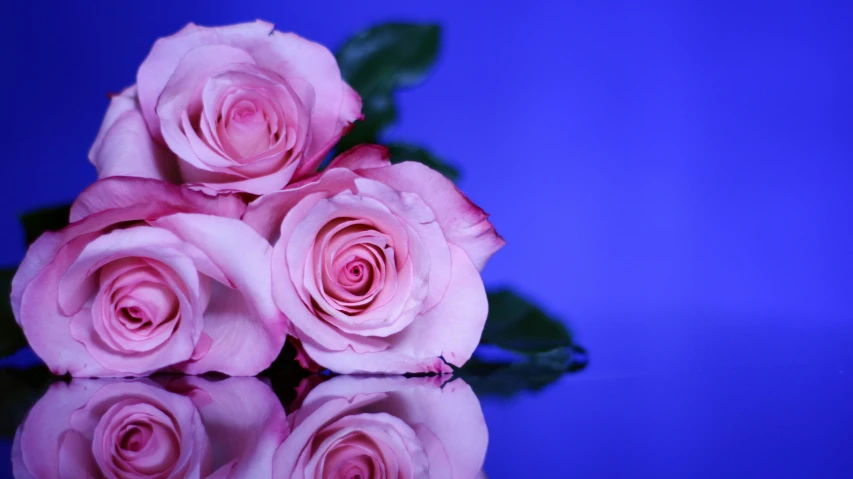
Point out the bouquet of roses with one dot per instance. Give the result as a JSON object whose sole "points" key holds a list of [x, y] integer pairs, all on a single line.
{"points": [[243, 203]]}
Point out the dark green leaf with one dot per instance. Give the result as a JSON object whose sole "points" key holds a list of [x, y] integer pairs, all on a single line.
{"points": [[21, 389], [518, 325], [377, 62], [389, 56], [11, 336], [404, 152], [47, 219]]}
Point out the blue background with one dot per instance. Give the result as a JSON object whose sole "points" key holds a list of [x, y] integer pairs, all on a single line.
{"points": [[673, 178]]}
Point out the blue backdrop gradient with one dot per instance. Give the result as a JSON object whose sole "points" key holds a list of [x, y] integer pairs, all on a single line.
{"points": [[673, 178]]}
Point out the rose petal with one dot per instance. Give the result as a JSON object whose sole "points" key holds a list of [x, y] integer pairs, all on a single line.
{"points": [[124, 146], [43, 429], [246, 328], [362, 156], [127, 199], [246, 423], [266, 213]]}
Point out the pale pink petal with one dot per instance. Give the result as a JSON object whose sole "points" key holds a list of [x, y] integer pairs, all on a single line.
{"points": [[362, 156], [256, 186], [75, 456], [246, 328], [266, 213], [450, 423], [44, 426], [126, 199], [34, 293], [245, 422], [136, 242], [124, 147]]}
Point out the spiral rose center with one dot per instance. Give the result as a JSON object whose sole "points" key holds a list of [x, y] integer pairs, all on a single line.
{"points": [[370, 445], [135, 436], [137, 439], [145, 307], [247, 129], [348, 462], [353, 258], [138, 309]]}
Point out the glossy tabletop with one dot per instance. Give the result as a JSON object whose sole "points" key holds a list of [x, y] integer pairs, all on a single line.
{"points": [[678, 396]]}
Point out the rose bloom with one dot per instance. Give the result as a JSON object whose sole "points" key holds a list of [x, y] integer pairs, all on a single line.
{"points": [[126, 429], [241, 107], [149, 276], [377, 266], [385, 427]]}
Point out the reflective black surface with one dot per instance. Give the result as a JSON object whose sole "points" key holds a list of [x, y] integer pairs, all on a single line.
{"points": [[661, 397]]}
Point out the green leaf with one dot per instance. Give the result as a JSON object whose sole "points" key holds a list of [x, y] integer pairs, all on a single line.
{"points": [[405, 152], [532, 373], [377, 62], [47, 219], [516, 324], [11, 337], [389, 56], [22, 388]]}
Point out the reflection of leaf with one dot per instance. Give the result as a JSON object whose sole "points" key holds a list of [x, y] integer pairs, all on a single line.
{"points": [[290, 382], [405, 152], [21, 389], [47, 219], [532, 373], [377, 62], [518, 325], [11, 336], [541, 348]]}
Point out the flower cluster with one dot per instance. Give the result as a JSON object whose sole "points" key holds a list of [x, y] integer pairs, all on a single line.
{"points": [[211, 236]]}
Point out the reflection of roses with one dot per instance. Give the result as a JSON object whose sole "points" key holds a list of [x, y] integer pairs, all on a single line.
{"points": [[241, 107], [377, 266], [152, 276], [350, 427], [185, 428]]}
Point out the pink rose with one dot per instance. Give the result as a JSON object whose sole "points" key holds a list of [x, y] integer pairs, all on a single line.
{"points": [[352, 427], [377, 266], [149, 276], [120, 429], [241, 107]]}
